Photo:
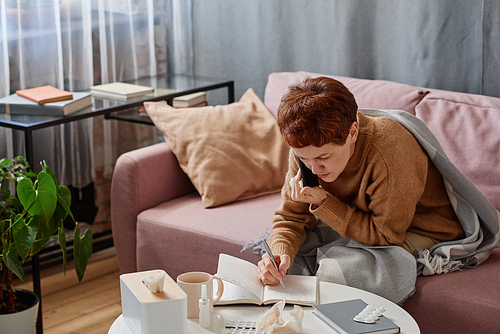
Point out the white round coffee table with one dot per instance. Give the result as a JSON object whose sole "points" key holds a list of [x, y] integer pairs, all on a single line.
{"points": [[329, 292]]}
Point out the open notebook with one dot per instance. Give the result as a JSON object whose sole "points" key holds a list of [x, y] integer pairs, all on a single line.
{"points": [[243, 286]]}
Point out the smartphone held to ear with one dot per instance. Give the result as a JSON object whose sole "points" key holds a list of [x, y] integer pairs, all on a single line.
{"points": [[309, 179]]}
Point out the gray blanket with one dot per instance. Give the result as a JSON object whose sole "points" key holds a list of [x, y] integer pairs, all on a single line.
{"points": [[390, 271]]}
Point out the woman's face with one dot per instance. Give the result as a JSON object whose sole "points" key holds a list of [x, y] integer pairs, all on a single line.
{"points": [[328, 161]]}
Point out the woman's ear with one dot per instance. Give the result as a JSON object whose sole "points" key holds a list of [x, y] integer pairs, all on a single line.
{"points": [[353, 132]]}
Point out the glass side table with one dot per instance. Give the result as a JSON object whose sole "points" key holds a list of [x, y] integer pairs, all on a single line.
{"points": [[167, 87]]}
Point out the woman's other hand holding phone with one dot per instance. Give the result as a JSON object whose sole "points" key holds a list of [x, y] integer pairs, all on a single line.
{"points": [[313, 195]]}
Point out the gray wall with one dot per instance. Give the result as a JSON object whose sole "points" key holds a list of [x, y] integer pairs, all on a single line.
{"points": [[445, 44]]}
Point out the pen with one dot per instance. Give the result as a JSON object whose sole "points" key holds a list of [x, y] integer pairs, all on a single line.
{"points": [[268, 251]]}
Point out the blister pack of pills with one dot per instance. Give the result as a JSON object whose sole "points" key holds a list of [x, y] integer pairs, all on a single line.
{"points": [[370, 314]]}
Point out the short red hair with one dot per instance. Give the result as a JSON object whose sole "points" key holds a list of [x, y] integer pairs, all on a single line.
{"points": [[316, 112]]}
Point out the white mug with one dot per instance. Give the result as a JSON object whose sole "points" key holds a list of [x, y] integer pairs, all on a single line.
{"points": [[191, 283]]}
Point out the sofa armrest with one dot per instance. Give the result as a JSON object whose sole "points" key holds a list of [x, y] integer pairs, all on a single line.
{"points": [[142, 179]]}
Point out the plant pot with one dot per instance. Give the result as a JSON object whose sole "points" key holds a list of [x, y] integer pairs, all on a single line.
{"points": [[23, 322]]}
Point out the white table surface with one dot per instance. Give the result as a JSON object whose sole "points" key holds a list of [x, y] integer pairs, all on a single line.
{"points": [[329, 292]]}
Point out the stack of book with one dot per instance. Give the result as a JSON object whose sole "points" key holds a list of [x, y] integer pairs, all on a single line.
{"points": [[44, 100], [191, 100], [120, 90], [185, 101]]}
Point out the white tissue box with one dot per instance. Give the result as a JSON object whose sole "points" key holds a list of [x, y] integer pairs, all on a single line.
{"points": [[145, 312]]}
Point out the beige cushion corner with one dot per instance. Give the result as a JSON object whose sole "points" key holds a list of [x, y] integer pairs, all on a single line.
{"points": [[230, 152]]}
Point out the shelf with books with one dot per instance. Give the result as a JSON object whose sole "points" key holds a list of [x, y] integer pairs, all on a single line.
{"points": [[167, 86], [15, 104]]}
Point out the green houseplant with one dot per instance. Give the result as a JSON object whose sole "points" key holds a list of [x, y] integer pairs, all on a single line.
{"points": [[30, 219]]}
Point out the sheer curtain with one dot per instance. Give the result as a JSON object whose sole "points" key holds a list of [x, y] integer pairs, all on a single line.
{"points": [[74, 44]]}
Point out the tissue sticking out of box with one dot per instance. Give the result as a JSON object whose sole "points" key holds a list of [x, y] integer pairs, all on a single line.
{"points": [[155, 284], [272, 321]]}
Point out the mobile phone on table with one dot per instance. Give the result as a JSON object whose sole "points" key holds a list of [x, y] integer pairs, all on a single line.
{"points": [[309, 179]]}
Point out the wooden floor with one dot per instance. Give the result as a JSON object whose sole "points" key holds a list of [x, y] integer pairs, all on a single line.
{"points": [[88, 307]]}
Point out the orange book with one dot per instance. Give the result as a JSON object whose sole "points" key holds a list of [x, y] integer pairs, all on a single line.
{"points": [[45, 94]]}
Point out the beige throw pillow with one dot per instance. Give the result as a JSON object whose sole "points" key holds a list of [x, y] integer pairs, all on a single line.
{"points": [[230, 152]]}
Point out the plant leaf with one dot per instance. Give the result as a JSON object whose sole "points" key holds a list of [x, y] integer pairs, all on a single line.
{"points": [[62, 244], [24, 236], [25, 192], [82, 250], [64, 199], [41, 201], [12, 262], [65, 194], [47, 169], [44, 234], [30, 174], [34, 224]]}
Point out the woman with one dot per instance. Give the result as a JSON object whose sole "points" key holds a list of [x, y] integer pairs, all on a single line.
{"points": [[377, 185]]}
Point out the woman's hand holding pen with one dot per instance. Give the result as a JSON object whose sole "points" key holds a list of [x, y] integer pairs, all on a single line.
{"points": [[268, 274]]}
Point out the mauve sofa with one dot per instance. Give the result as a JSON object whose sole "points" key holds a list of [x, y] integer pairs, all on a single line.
{"points": [[158, 219]]}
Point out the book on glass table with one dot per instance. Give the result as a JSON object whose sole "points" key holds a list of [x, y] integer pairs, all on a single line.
{"points": [[201, 104], [243, 286], [45, 94], [120, 90], [190, 100], [17, 105], [339, 316]]}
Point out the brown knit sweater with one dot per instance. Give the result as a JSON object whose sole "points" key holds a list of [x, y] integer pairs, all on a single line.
{"points": [[388, 187]]}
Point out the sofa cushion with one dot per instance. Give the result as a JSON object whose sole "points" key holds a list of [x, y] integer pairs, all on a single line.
{"points": [[374, 94], [188, 237], [229, 152], [467, 127]]}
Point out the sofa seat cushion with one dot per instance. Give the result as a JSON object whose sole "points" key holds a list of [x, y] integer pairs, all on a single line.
{"points": [[372, 94], [469, 298], [180, 235], [467, 127]]}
